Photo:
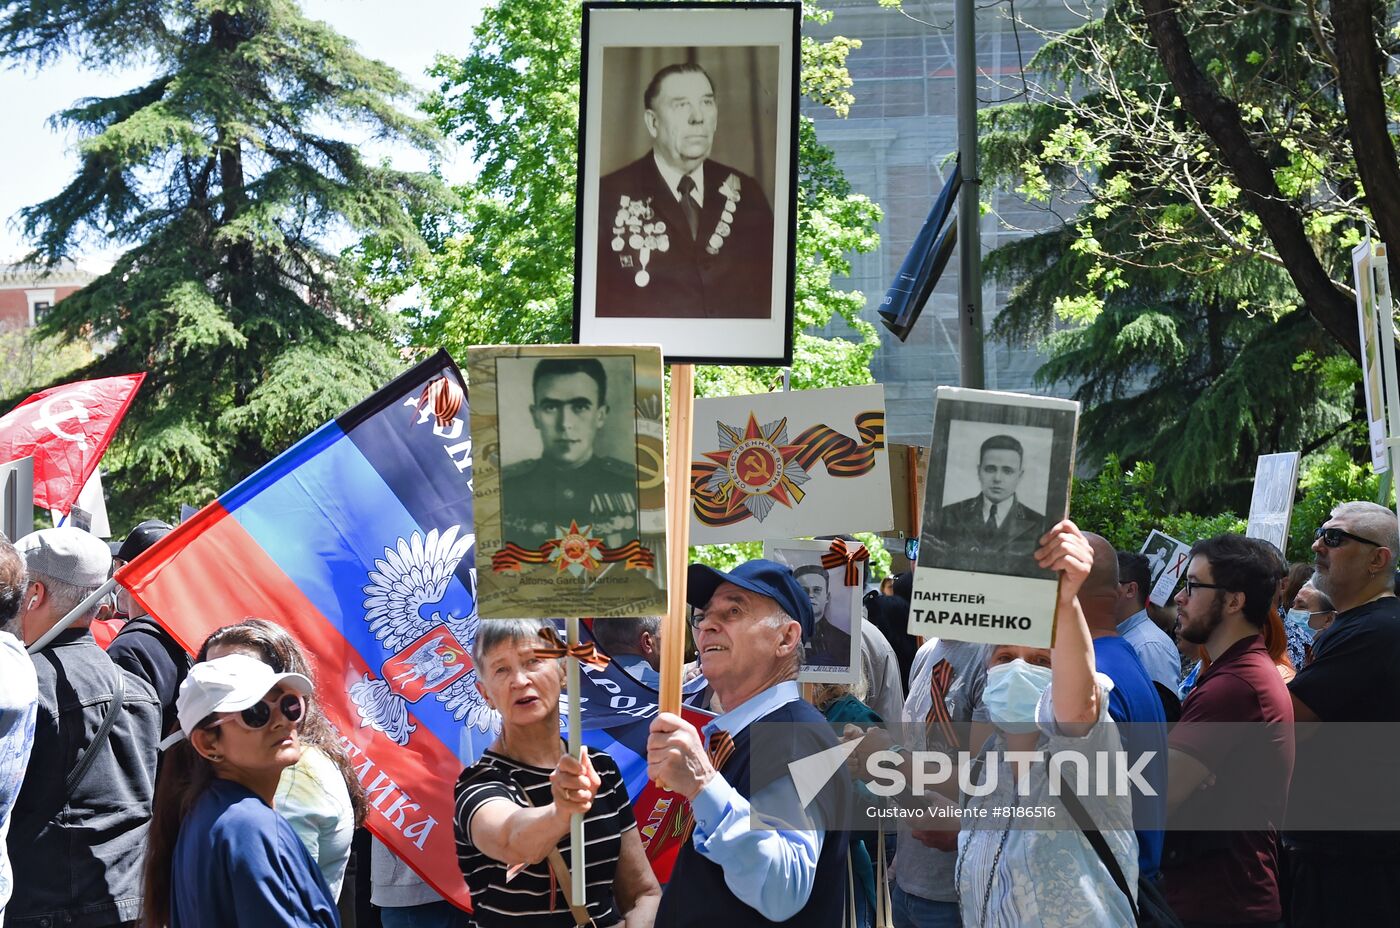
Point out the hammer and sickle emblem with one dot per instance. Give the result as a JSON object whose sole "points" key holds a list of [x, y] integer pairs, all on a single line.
{"points": [[52, 419], [757, 468]]}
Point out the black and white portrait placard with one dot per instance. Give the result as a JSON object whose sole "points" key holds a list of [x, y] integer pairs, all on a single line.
{"points": [[831, 647], [1166, 560], [998, 479], [569, 486], [686, 184]]}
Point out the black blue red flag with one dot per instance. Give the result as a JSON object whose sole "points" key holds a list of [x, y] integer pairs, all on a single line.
{"points": [[359, 540]]}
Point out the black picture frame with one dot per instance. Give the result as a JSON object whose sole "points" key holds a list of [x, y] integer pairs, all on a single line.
{"points": [[708, 301], [951, 519]]}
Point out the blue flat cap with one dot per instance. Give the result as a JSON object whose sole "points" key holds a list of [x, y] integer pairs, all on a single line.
{"points": [[762, 576]]}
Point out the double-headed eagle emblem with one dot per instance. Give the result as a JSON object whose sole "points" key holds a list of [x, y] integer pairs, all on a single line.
{"points": [[430, 650]]}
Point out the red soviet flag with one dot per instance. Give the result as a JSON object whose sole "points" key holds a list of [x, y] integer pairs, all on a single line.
{"points": [[66, 429]]}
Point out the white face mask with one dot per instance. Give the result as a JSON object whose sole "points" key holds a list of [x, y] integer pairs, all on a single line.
{"points": [[1012, 692]]}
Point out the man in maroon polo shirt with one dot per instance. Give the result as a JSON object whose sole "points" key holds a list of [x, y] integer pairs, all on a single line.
{"points": [[1229, 878]]}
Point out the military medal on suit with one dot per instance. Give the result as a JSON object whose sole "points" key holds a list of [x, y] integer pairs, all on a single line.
{"points": [[665, 252]]}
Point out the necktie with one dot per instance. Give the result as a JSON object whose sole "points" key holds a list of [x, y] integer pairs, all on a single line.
{"points": [[689, 206], [992, 519]]}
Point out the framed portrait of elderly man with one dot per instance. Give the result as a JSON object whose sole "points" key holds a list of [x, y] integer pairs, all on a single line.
{"points": [[569, 485], [687, 179], [998, 479], [831, 645]]}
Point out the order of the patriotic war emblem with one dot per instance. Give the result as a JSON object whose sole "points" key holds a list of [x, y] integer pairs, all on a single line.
{"points": [[758, 466]]}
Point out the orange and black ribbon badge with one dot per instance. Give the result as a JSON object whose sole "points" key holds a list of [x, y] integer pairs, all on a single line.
{"points": [[443, 397], [585, 652], [839, 554], [633, 555], [757, 467]]}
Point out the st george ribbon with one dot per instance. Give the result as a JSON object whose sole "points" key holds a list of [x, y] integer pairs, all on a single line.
{"points": [[359, 541]]}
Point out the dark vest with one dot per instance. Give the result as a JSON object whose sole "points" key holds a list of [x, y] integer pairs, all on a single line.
{"points": [[697, 895]]}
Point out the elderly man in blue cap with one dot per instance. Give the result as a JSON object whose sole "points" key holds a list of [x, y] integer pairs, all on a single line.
{"points": [[748, 630]]}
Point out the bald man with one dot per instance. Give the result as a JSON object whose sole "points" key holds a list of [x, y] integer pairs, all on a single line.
{"points": [[1132, 703]]}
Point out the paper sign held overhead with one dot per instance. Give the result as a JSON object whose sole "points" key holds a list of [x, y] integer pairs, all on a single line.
{"points": [[1167, 559], [1271, 506], [1372, 344]]}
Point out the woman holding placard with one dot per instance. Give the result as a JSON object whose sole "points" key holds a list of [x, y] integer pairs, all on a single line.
{"points": [[514, 805]]}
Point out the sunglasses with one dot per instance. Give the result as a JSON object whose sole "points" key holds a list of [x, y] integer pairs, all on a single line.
{"points": [[256, 716], [1334, 537]]}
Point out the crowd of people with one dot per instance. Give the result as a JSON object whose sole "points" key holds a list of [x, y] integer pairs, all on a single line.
{"points": [[142, 786]]}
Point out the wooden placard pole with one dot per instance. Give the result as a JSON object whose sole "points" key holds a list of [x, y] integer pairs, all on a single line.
{"points": [[677, 536], [578, 892]]}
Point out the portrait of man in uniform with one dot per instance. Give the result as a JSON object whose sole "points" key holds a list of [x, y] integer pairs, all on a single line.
{"points": [[681, 234], [828, 645], [570, 481]]}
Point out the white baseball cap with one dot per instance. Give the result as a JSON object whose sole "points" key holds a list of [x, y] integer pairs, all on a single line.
{"points": [[227, 684]]}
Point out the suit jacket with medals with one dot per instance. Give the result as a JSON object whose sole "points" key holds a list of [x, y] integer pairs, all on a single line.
{"points": [[690, 278]]}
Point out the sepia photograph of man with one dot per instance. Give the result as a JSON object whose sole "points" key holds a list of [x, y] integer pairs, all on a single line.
{"points": [[681, 234], [570, 479], [829, 645]]}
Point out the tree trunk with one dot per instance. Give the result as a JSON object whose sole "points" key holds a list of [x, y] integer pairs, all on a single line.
{"points": [[1359, 75], [1220, 119], [225, 34]]}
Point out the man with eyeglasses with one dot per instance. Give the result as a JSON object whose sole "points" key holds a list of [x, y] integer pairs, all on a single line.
{"points": [[1349, 877], [749, 634], [1217, 770]]}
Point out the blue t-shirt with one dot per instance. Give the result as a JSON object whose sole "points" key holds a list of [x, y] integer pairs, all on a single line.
{"points": [[1135, 706], [238, 864]]}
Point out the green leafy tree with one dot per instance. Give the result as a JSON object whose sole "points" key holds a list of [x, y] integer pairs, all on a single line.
{"points": [[1214, 134], [217, 178], [1161, 295]]}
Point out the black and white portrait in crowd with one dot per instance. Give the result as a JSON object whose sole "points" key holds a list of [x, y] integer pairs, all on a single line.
{"points": [[686, 181], [998, 480], [831, 645], [568, 448]]}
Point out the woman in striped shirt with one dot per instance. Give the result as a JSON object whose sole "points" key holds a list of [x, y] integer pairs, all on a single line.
{"points": [[513, 806]]}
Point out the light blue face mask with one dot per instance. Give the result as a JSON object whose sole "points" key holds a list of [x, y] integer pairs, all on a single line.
{"points": [[1012, 691], [1300, 618]]}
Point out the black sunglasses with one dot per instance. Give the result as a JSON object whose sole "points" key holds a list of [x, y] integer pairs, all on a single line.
{"points": [[256, 716], [1333, 538]]}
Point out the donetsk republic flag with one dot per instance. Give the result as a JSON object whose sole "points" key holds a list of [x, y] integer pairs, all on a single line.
{"points": [[359, 541]]}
